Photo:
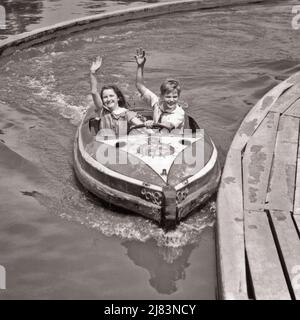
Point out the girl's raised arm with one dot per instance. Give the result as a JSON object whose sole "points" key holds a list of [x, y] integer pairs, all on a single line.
{"points": [[94, 83]]}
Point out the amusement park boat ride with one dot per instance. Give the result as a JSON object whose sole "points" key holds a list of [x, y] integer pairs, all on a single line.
{"points": [[162, 175]]}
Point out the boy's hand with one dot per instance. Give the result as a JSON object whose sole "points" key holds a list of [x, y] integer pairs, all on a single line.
{"points": [[140, 56], [149, 123], [96, 64]]}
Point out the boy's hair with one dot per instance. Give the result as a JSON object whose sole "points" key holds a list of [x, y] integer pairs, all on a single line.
{"points": [[122, 101], [169, 85]]}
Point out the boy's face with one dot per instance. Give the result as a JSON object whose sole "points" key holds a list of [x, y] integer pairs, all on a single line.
{"points": [[170, 100]]}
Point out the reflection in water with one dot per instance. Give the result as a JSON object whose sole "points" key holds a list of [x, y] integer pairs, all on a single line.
{"points": [[25, 15], [95, 6], [20, 14], [166, 265]]}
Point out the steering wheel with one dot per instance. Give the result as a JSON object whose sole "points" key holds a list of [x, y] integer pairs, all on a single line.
{"points": [[154, 126]]}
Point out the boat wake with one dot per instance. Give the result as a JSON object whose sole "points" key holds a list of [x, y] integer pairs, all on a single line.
{"points": [[132, 228], [58, 101]]}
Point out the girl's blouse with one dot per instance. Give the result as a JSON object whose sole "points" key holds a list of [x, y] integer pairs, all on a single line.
{"points": [[119, 123]]}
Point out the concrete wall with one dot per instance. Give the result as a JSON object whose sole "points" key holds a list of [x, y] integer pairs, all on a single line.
{"points": [[28, 39]]}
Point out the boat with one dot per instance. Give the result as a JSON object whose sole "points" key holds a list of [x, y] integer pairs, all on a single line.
{"points": [[162, 176]]}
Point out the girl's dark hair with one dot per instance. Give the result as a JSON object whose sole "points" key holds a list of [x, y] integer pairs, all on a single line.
{"points": [[122, 101]]}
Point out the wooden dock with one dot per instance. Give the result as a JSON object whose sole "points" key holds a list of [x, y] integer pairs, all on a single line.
{"points": [[258, 204]]}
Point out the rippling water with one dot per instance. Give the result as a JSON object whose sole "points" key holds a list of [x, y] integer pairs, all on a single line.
{"points": [[57, 240], [27, 15]]}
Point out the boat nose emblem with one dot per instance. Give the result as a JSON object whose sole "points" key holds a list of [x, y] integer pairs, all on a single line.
{"points": [[164, 172]]}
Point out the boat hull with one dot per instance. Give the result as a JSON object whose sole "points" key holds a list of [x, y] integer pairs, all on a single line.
{"points": [[166, 204]]}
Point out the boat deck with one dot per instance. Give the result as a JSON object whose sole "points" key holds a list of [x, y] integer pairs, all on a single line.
{"points": [[258, 205]]}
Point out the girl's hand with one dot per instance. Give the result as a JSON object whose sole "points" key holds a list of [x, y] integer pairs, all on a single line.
{"points": [[96, 65], [140, 57]]}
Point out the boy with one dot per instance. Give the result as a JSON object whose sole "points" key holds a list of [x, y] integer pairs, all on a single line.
{"points": [[166, 108]]}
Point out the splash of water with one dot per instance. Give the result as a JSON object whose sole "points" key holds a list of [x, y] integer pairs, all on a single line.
{"points": [[135, 228], [58, 101]]}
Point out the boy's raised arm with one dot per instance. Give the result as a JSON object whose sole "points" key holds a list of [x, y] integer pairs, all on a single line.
{"points": [[140, 60], [147, 94]]}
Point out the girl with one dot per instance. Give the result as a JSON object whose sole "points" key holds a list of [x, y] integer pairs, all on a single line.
{"points": [[111, 105]]}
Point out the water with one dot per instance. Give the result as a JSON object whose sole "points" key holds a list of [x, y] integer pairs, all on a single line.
{"points": [[57, 240], [27, 15]]}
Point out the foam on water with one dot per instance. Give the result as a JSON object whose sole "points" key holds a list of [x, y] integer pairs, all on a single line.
{"points": [[132, 227], [57, 100]]}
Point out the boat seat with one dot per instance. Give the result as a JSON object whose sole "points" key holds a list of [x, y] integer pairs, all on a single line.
{"points": [[94, 124], [189, 123]]}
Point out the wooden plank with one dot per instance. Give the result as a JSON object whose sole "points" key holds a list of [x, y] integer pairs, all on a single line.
{"points": [[294, 109], [287, 99], [297, 221], [282, 180], [264, 263], [230, 230], [297, 190], [289, 243], [257, 162], [258, 113]]}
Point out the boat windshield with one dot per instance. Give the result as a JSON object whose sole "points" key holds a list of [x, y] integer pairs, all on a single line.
{"points": [[104, 134]]}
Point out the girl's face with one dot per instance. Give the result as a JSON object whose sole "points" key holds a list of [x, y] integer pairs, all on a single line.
{"points": [[170, 100], [110, 99]]}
